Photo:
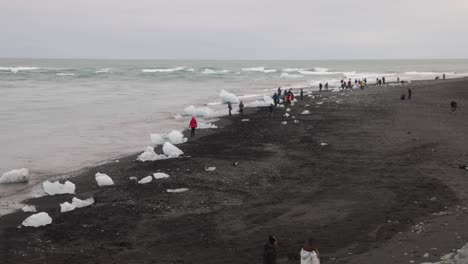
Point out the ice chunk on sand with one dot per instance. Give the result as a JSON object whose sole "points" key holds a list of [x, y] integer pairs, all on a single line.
{"points": [[206, 125], [175, 137], [171, 151], [133, 178], [66, 207], [245, 120], [305, 112], [282, 106], [323, 144], [36, 220], [210, 169], [266, 101], [286, 115], [228, 97], [319, 103], [179, 190], [53, 188], [157, 139], [160, 175], [199, 112], [284, 123], [103, 179], [150, 155], [296, 121], [29, 208], [145, 180], [78, 203], [288, 109], [15, 176]]}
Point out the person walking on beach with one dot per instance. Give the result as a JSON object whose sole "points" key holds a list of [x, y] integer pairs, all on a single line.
{"points": [[279, 91], [409, 93], [443, 76], [276, 99], [302, 94], [229, 107], [270, 109], [241, 108], [380, 82], [309, 253], [326, 86], [383, 80], [453, 104], [320, 87], [269, 251], [398, 79], [193, 126]]}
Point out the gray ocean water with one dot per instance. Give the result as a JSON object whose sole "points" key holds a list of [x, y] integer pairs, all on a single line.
{"points": [[61, 115]]}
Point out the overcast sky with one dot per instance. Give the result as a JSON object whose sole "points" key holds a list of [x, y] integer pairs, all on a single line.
{"points": [[234, 29]]}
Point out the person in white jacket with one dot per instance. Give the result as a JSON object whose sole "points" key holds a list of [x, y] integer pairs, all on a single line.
{"points": [[309, 253]]}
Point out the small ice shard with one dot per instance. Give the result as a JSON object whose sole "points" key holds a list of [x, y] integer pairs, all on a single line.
{"points": [[29, 208], [286, 115], [305, 112], [288, 109], [307, 105], [179, 190], [36, 220], [66, 207], [210, 169], [53, 188], [160, 175], [206, 126], [171, 151], [15, 176], [284, 123], [323, 144], [78, 203], [133, 178], [150, 155], [145, 180], [245, 120], [319, 103], [296, 121], [103, 179], [282, 106]]}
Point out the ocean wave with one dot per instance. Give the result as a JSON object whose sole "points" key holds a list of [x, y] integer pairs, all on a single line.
{"points": [[163, 70], [65, 74], [293, 69], [18, 69], [319, 69], [210, 71], [104, 70], [287, 75], [427, 73], [259, 69]]}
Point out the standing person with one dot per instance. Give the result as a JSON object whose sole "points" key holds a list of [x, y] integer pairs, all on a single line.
{"points": [[309, 253], [380, 82], [270, 109], [349, 83], [276, 99], [409, 93], [302, 94], [279, 91], [193, 126], [320, 87], [443, 76], [453, 104], [269, 251], [326, 86], [398, 79], [383, 80], [230, 108], [241, 108]]}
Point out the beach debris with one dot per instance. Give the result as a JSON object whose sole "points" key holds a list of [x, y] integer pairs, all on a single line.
{"points": [[175, 137], [206, 126], [245, 120], [227, 97], [103, 179], [171, 151], [199, 112], [323, 144], [66, 207], [286, 115], [288, 109], [210, 169], [15, 176], [78, 203], [178, 190], [145, 180], [53, 188], [284, 123], [418, 228], [36, 220], [305, 112], [29, 209], [160, 175]]}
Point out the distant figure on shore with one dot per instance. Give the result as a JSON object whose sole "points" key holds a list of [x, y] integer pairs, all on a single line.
{"points": [[269, 251], [279, 91], [309, 253], [380, 82], [409, 93], [320, 87], [193, 126], [302, 94], [362, 85], [270, 109], [398, 79], [349, 83], [285, 94], [383, 79], [437, 77], [453, 104], [230, 108], [326, 86], [443, 76], [276, 99], [365, 80], [241, 108]]}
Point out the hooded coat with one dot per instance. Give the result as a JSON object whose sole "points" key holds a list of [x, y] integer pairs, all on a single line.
{"points": [[193, 123], [309, 257]]}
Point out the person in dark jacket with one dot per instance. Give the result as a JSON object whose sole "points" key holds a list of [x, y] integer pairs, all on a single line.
{"points": [[269, 251], [302, 94], [229, 107], [241, 108], [276, 99], [270, 109], [453, 104], [193, 126], [409, 93]]}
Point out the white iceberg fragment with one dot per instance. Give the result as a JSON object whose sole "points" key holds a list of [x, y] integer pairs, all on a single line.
{"points": [[66, 207], [160, 175], [78, 203], [323, 144], [179, 190], [53, 188], [103, 179], [296, 121], [199, 112], [15, 176], [176, 137], [171, 151], [133, 178], [29, 208], [36, 220], [266, 101], [157, 139], [286, 115], [319, 103], [210, 169], [150, 155], [305, 112], [245, 120], [284, 123], [228, 97], [288, 109], [281, 106], [206, 125], [145, 180]]}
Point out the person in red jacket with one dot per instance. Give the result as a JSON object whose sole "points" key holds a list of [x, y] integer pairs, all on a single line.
{"points": [[193, 126]]}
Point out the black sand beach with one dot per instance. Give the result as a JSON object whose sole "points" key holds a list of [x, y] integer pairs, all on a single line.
{"points": [[383, 189]]}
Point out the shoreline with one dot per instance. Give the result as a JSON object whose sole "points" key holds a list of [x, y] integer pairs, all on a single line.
{"points": [[238, 204]]}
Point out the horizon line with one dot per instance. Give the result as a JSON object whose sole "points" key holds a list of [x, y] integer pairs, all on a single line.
{"points": [[168, 59]]}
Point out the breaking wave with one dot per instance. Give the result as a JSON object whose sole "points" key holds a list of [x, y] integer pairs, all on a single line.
{"points": [[65, 74], [163, 70], [259, 69], [288, 75], [18, 69], [211, 71]]}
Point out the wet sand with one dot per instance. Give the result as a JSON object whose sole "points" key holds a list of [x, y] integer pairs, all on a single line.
{"points": [[383, 189]]}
